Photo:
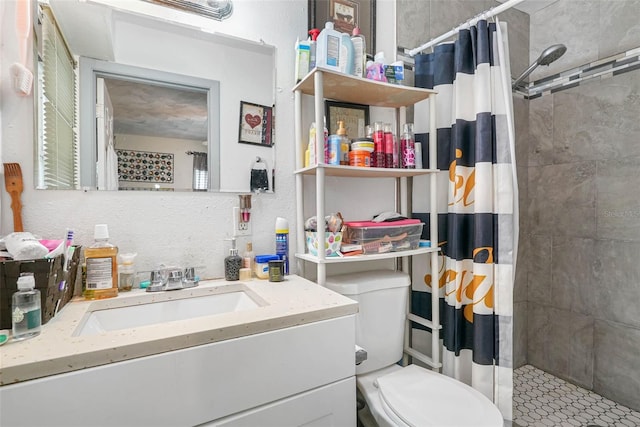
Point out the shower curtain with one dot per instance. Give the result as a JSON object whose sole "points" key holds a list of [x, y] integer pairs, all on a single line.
{"points": [[478, 224]]}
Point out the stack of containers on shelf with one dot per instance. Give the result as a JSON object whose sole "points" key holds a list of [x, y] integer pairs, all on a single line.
{"points": [[335, 50]]}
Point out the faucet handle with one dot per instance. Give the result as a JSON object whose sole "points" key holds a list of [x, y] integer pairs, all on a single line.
{"points": [[189, 279]]}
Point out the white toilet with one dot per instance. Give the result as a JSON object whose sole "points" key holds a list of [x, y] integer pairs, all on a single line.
{"points": [[411, 395]]}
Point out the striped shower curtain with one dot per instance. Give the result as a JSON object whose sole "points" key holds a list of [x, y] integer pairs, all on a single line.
{"points": [[478, 221]]}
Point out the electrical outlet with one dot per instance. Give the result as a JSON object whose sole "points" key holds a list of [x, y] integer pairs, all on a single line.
{"points": [[240, 228]]}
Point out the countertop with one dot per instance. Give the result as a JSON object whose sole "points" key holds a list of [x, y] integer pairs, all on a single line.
{"points": [[56, 350]]}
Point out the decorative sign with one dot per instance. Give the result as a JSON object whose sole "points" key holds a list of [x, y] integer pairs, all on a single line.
{"points": [[256, 124], [145, 166]]}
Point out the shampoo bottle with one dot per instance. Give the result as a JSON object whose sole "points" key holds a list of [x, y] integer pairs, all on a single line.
{"points": [[328, 48], [359, 53], [26, 314], [102, 267]]}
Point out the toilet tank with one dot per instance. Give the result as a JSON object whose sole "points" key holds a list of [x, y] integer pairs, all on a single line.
{"points": [[382, 306]]}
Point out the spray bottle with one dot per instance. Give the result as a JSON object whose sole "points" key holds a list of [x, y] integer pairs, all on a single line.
{"points": [[282, 241], [314, 37]]}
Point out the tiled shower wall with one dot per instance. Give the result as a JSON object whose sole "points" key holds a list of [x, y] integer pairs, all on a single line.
{"points": [[577, 288], [583, 208]]}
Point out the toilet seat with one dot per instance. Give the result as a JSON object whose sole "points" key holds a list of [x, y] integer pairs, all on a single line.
{"points": [[416, 397]]}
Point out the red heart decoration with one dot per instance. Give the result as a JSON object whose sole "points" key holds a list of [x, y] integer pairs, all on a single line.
{"points": [[253, 121]]}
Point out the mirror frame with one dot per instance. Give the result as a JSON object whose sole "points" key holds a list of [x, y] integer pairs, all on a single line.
{"points": [[91, 69]]}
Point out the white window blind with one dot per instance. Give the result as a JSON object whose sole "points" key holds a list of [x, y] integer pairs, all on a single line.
{"points": [[58, 151]]}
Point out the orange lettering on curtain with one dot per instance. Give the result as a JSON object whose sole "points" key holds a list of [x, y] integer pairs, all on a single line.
{"points": [[460, 183], [479, 251]]}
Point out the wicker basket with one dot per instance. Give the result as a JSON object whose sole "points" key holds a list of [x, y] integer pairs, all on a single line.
{"points": [[49, 277]]}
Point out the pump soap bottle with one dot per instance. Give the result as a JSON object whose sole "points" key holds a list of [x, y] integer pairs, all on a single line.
{"points": [[102, 268], [232, 263]]}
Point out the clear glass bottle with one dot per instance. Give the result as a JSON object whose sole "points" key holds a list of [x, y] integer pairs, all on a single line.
{"points": [[247, 258], [407, 147], [26, 309], [377, 157], [126, 272], [102, 267]]}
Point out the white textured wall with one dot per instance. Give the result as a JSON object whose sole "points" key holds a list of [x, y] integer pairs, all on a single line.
{"points": [[189, 228], [185, 228]]}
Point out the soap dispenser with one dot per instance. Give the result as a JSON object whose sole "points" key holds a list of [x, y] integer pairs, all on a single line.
{"points": [[232, 263]]}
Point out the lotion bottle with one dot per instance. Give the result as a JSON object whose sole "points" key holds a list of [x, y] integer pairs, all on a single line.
{"points": [[102, 267]]}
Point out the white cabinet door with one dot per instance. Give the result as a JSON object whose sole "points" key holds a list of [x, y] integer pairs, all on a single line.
{"points": [[331, 405]]}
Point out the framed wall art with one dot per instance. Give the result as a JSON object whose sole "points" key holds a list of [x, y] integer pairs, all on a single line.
{"points": [[346, 15], [256, 124], [355, 117], [145, 166]]}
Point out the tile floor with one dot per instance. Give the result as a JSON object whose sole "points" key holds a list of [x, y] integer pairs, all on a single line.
{"points": [[540, 399]]}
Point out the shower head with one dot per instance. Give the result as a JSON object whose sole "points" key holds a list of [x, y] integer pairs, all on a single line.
{"points": [[551, 53], [547, 56]]}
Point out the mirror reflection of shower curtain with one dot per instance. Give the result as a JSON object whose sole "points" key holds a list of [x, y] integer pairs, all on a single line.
{"points": [[200, 171], [111, 167]]}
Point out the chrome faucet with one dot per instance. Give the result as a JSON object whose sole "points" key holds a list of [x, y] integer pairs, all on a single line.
{"points": [[171, 279]]}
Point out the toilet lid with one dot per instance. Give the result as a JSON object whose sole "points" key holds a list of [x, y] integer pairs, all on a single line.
{"points": [[424, 398]]}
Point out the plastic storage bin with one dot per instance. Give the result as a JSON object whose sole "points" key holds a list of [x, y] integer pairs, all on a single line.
{"points": [[381, 237]]}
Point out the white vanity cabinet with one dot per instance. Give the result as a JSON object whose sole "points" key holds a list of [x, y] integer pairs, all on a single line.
{"points": [[300, 375]]}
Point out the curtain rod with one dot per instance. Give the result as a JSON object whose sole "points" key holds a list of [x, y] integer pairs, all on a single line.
{"points": [[473, 21]]}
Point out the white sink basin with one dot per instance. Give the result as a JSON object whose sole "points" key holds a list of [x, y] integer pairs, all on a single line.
{"points": [[152, 313]]}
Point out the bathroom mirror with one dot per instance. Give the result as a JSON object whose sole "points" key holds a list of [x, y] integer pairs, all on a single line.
{"points": [[161, 129], [136, 53]]}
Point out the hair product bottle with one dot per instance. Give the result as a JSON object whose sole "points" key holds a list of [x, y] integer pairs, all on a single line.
{"points": [[359, 53], [102, 267]]}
